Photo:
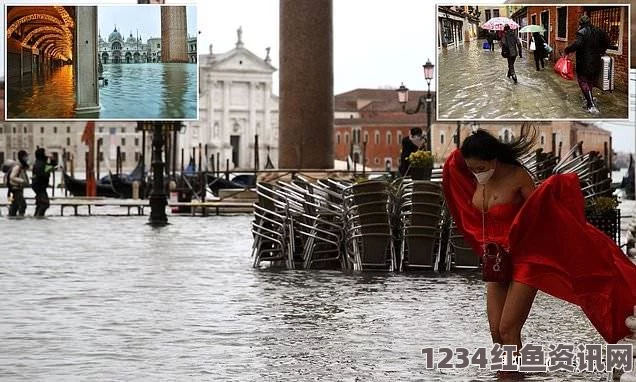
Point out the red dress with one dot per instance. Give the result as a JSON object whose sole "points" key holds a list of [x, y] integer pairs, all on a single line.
{"points": [[553, 247]]}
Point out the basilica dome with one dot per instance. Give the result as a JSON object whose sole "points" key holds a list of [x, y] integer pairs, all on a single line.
{"points": [[114, 36]]}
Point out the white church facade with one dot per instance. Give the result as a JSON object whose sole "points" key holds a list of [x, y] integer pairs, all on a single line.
{"points": [[236, 104]]}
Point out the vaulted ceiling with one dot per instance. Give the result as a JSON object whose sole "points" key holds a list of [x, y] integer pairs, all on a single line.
{"points": [[48, 29]]}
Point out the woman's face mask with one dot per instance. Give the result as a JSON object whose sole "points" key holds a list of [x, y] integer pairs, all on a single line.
{"points": [[481, 169]]}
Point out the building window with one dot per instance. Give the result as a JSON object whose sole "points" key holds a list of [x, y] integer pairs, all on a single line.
{"points": [[366, 137], [562, 22], [123, 156], [399, 137], [542, 140], [136, 141], [68, 142], [123, 130], [123, 141], [488, 14], [388, 138], [42, 130], [1, 130], [377, 137], [609, 20], [54, 129], [24, 129], [68, 129], [137, 156], [338, 138], [346, 138], [441, 138], [506, 137], [376, 160], [101, 130], [495, 13], [15, 130]]}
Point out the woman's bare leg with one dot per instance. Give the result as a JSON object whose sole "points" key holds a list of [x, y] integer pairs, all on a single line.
{"points": [[495, 300], [515, 312]]}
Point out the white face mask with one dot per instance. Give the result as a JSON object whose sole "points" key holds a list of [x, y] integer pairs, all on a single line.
{"points": [[484, 177]]}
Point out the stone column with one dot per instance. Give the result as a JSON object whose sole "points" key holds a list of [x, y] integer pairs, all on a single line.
{"points": [[85, 60], [306, 84], [174, 34]]}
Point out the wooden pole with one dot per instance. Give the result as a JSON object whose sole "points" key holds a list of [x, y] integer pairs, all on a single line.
{"points": [[227, 169], [143, 154]]}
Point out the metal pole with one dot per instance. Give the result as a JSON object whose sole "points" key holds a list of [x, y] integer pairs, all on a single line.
{"points": [[227, 169], [428, 118], [174, 151], [158, 198], [256, 158], [143, 154], [364, 157]]}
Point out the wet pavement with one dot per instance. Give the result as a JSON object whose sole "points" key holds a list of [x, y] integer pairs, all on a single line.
{"points": [[473, 85]]}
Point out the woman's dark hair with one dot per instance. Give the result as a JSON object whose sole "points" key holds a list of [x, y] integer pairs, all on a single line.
{"points": [[482, 145], [506, 27]]}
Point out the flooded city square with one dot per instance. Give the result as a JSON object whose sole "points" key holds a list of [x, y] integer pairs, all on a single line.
{"points": [[110, 298], [473, 85], [142, 91]]}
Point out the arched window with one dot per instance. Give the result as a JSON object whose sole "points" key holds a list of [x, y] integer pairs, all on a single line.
{"points": [[506, 136], [399, 137], [542, 140], [346, 138], [388, 138], [366, 137], [441, 138], [338, 138], [377, 137]]}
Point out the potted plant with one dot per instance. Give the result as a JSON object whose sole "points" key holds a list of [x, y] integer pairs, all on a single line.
{"points": [[603, 213], [421, 164]]}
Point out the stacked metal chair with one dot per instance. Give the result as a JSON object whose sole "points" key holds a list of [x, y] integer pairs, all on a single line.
{"points": [[591, 169], [270, 228], [369, 233], [419, 210], [315, 225]]}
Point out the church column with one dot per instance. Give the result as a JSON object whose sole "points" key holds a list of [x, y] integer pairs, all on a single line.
{"points": [[306, 84], [226, 129], [252, 124], [85, 60], [174, 34], [267, 124]]}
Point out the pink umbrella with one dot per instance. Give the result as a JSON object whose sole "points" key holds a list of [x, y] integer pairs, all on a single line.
{"points": [[498, 23]]}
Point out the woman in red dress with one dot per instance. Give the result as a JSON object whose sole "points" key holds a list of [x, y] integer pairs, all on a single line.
{"points": [[552, 247]]}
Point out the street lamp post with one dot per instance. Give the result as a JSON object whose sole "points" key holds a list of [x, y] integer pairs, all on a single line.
{"points": [[403, 98], [158, 196]]}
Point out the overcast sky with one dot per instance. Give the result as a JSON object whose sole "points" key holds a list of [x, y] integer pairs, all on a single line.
{"points": [[377, 43]]}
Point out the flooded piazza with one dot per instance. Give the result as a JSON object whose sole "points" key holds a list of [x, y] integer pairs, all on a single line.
{"points": [[135, 91], [110, 298], [473, 85]]}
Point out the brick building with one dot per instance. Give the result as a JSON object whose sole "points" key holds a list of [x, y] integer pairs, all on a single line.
{"points": [[375, 116], [561, 24]]}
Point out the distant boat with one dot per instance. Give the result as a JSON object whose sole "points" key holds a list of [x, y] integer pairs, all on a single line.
{"points": [[77, 187], [123, 184]]}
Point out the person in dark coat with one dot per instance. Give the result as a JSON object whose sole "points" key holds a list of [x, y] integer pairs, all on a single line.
{"points": [[590, 44], [511, 41], [490, 37], [410, 145], [42, 169], [18, 179], [539, 51]]}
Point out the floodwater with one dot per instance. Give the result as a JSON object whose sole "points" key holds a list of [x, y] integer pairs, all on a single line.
{"points": [[48, 93], [105, 298], [149, 91], [134, 91], [473, 85]]}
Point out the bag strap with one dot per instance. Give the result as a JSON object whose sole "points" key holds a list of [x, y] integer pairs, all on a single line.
{"points": [[483, 217]]}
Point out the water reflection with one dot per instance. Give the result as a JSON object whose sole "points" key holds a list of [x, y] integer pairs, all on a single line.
{"points": [[149, 91], [128, 302], [473, 85], [45, 93]]}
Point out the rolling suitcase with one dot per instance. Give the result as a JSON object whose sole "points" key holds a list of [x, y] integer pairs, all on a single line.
{"points": [[606, 79], [486, 45]]}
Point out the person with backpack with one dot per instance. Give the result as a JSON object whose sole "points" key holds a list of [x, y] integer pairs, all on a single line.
{"points": [[590, 44], [42, 169], [18, 179]]}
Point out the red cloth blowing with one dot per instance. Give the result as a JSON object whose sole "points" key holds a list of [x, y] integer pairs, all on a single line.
{"points": [[553, 247]]}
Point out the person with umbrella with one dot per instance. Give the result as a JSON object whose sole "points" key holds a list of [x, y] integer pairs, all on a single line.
{"points": [[539, 51], [510, 49], [590, 44]]}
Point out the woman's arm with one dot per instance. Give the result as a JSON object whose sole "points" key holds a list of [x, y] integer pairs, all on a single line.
{"points": [[526, 184]]}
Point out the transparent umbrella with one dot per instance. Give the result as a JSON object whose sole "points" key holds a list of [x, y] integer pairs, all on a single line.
{"points": [[532, 29]]}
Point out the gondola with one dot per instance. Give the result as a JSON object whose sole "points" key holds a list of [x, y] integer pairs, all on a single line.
{"points": [[77, 187], [123, 184]]}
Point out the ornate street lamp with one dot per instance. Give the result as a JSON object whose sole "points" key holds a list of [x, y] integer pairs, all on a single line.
{"points": [[403, 98], [158, 196]]}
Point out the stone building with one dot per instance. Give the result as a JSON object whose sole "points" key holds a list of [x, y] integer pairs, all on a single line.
{"points": [[132, 50], [236, 103], [457, 24]]}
